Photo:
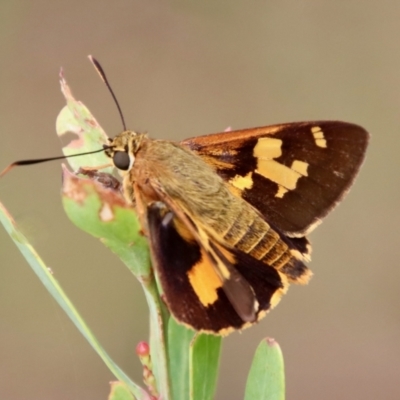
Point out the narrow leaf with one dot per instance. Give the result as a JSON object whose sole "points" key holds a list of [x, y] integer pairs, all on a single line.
{"points": [[44, 274], [266, 380], [204, 364], [122, 232], [104, 214], [119, 391], [179, 340]]}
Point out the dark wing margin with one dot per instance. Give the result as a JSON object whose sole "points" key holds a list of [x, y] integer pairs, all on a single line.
{"points": [[193, 291], [294, 174]]}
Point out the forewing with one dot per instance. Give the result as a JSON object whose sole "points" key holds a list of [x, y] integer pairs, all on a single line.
{"points": [[294, 174]]}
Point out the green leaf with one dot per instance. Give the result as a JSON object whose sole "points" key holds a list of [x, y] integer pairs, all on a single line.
{"points": [[204, 364], [193, 361], [75, 118], [44, 274], [179, 340], [105, 214], [119, 391], [266, 380]]}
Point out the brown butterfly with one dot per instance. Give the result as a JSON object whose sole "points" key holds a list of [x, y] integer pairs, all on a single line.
{"points": [[226, 214]]}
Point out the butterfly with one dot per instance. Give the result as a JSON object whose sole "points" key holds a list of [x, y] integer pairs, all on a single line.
{"points": [[227, 214]]}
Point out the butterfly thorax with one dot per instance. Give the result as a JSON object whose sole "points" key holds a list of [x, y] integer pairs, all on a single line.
{"points": [[182, 176]]}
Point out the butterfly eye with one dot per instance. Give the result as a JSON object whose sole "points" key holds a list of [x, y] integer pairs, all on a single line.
{"points": [[121, 160]]}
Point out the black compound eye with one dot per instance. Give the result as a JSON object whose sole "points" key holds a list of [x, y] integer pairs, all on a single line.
{"points": [[121, 160]]}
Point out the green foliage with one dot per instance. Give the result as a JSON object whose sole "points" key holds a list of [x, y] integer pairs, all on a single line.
{"points": [[266, 380], [51, 284], [204, 363], [119, 391]]}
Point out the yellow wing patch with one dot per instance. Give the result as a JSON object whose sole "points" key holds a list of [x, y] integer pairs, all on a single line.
{"points": [[242, 182], [300, 167], [204, 280], [286, 177], [318, 136], [268, 148]]}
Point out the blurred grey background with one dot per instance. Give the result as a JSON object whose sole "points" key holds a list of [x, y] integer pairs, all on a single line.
{"points": [[184, 68]]}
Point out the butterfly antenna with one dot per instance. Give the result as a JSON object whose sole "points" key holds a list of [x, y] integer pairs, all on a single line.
{"points": [[42, 160], [103, 77]]}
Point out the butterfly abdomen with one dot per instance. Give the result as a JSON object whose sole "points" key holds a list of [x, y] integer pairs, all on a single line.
{"points": [[250, 233]]}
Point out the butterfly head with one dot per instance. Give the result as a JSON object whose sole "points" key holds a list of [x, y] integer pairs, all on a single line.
{"points": [[123, 148]]}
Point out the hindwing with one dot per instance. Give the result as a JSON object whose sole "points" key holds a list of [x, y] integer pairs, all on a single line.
{"points": [[206, 285]]}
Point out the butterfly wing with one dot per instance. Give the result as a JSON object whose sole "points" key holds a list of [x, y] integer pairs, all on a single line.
{"points": [[208, 286], [294, 174]]}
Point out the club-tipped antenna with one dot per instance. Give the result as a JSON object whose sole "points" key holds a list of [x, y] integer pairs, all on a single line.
{"points": [[42, 160], [103, 77]]}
